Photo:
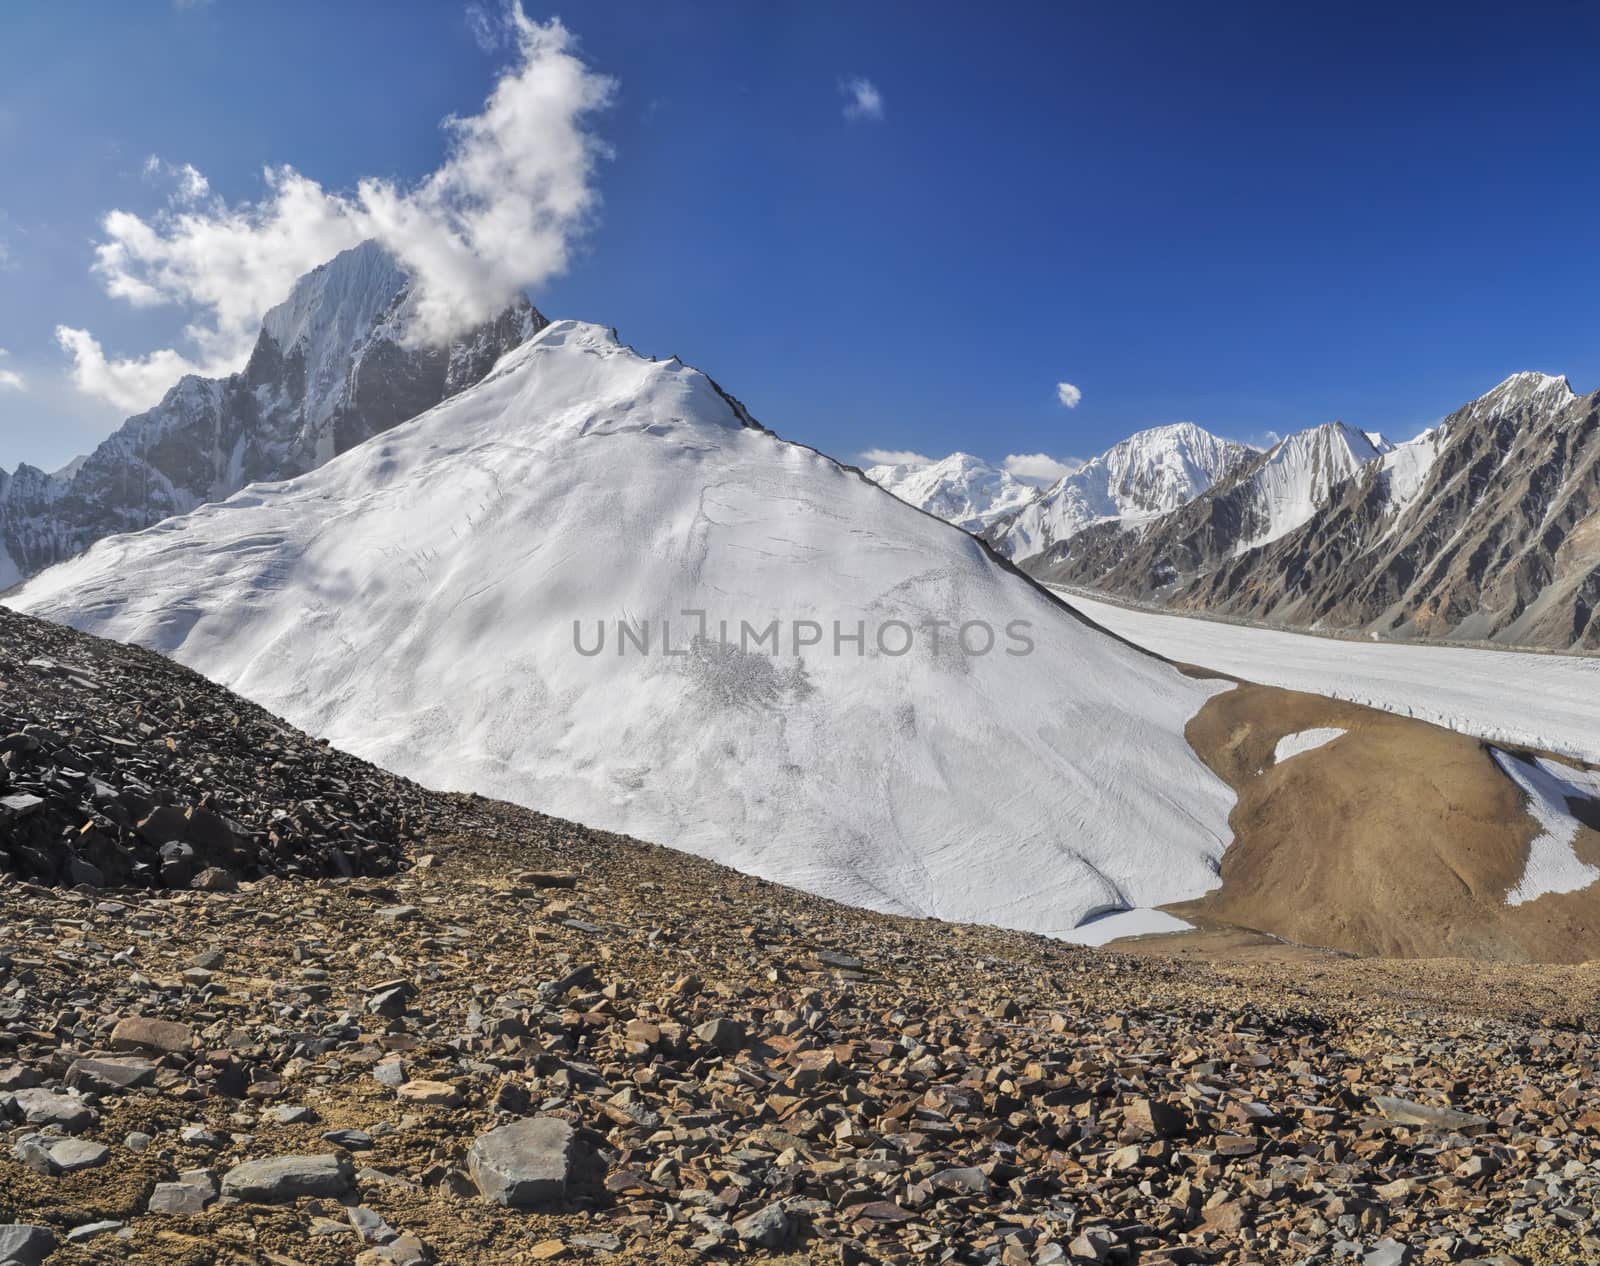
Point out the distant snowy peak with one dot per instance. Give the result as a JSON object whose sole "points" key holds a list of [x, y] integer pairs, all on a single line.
{"points": [[1160, 469], [1547, 391], [1295, 478], [1150, 473], [961, 489]]}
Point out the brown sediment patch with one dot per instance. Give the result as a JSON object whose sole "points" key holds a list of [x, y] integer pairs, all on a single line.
{"points": [[1397, 838]]}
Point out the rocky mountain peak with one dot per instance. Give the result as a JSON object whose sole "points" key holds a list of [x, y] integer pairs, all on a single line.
{"points": [[333, 365]]}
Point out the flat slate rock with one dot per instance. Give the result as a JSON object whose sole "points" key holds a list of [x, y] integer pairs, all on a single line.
{"points": [[23, 1245], [524, 1165], [1405, 1112], [288, 1177], [165, 1037]]}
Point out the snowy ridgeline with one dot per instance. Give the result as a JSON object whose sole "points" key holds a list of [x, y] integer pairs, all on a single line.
{"points": [[415, 601]]}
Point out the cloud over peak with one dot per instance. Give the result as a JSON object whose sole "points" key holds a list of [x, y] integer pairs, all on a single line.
{"points": [[1040, 468], [894, 457], [500, 213]]}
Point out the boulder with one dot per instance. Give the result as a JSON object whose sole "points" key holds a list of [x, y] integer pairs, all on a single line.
{"points": [[108, 1074], [140, 1033], [288, 1177], [524, 1165], [46, 1107]]}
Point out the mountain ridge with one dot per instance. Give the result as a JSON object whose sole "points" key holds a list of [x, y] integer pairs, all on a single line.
{"points": [[1485, 528], [334, 364]]}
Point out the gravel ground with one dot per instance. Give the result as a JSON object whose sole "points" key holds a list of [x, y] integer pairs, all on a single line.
{"points": [[698, 1065]]}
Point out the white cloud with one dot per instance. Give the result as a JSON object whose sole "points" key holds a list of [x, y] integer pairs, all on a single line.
{"points": [[1040, 468], [10, 380], [189, 185], [862, 100], [488, 33], [894, 457], [1068, 394], [130, 383], [499, 214]]}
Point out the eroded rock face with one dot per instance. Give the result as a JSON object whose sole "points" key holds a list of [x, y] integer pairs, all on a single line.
{"points": [[332, 367]]}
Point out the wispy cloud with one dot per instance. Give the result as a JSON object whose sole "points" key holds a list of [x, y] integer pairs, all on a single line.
{"points": [[502, 212], [10, 379], [1068, 394], [893, 457], [862, 100], [489, 33], [1040, 468], [189, 186]]}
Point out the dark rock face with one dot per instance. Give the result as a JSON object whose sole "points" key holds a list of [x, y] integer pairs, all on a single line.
{"points": [[332, 367], [1497, 539], [119, 768]]}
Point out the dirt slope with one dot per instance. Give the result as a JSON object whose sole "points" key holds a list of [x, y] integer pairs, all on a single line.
{"points": [[1396, 838]]}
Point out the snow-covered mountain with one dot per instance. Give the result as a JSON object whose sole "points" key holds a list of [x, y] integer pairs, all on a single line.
{"points": [[1485, 528], [1295, 478], [463, 599], [1266, 498], [1147, 474], [959, 489], [333, 365]]}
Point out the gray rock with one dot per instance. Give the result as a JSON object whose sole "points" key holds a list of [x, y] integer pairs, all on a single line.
{"points": [[179, 1197], [22, 1245], [1387, 1253], [1405, 1112], [92, 1231], [842, 962], [723, 1034], [524, 1165], [18, 1077], [288, 1177], [964, 1178], [390, 1003], [403, 1250], [290, 1114], [108, 1074], [350, 1140], [46, 1155], [771, 1227], [137, 1141], [370, 1228], [46, 1107]]}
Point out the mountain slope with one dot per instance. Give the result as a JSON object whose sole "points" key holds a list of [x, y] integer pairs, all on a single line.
{"points": [[959, 489], [1487, 528], [331, 367], [417, 599], [1149, 473]]}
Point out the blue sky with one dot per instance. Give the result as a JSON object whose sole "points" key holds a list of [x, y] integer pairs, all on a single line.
{"points": [[1252, 216]]}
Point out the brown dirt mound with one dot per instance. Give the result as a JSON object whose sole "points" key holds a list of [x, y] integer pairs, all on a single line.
{"points": [[1397, 838]]}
